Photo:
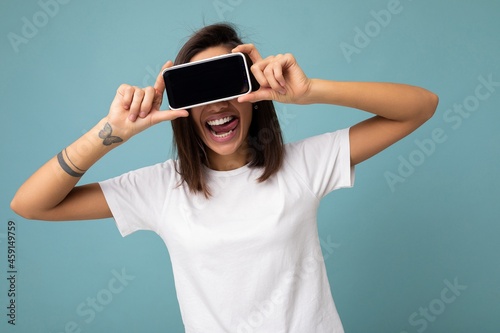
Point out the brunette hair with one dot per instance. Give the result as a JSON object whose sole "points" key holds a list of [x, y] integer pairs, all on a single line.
{"points": [[265, 141]]}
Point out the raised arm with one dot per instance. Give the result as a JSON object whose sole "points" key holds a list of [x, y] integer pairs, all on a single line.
{"points": [[51, 193], [399, 109]]}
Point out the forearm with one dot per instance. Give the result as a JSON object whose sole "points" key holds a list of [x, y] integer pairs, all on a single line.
{"points": [[399, 109], [50, 193], [51, 184], [399, 102]]}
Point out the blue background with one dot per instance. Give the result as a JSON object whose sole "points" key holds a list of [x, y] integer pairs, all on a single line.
{"points": [[390, 249]]}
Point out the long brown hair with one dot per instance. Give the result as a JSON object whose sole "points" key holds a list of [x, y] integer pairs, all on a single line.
{"points": [[265, 141]]}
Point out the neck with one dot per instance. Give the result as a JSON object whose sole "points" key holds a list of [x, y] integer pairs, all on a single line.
{"points": [[228, 162]]}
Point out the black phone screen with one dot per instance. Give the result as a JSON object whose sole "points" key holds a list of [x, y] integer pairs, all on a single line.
{"points": [[207, 81]]}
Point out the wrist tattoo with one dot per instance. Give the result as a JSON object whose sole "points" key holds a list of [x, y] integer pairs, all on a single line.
{"points": [[66, 167], [108, 139]]}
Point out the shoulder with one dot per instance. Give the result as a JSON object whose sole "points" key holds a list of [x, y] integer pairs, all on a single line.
{"points": [[317, 143], [166, 167], [321, 162], [153, 174]]}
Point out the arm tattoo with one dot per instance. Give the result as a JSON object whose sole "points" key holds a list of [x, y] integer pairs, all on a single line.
{"points": [[73, 164], [104, 134], [66, 167], [108, 139]]}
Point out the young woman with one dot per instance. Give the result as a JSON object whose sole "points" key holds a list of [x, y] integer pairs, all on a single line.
{"points": [[237, 208]]}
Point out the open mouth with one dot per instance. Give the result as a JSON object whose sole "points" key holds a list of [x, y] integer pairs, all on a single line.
{"points": [[222, 128]]}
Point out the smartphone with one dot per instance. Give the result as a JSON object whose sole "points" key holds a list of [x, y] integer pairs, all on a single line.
{"points": [[206, 81]]}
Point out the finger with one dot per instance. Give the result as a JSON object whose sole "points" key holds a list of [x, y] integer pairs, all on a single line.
{"points": [[157, 100], [249, 49], [278, 73], [271, 72], [147, 101], [160, 83], [259, 75], [135, 106], [126, 92]]}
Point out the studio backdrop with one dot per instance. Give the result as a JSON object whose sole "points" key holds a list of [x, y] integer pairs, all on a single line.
{"points": [[413, 247]]}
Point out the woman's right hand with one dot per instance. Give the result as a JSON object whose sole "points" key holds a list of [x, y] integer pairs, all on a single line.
{"points": [[51, 193], [135, 109]]}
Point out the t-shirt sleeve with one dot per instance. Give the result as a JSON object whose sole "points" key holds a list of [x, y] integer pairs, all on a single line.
{"points": [[323, 162], [137, 198]]}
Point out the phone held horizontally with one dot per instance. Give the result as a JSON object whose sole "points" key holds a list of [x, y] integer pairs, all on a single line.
{"points": [[207, 81]]}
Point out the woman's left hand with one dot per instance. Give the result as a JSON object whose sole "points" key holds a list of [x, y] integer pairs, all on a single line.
{"points": [[280, 77]]}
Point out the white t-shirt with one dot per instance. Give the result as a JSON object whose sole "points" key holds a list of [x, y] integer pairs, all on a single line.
{"points": [[248, 259]]}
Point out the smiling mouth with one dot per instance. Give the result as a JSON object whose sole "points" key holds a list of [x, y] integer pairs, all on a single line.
{"points": [[222, 127]]}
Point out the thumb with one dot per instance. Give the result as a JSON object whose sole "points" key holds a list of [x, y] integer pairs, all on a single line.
{"points": [[257, 96], [168, 115]]}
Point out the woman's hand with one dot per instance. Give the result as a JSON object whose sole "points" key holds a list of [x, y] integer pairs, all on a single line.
{"points": [[135, 109], [280, 77]]}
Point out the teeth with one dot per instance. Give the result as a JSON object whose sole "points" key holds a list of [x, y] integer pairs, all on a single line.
{"points": [[223, 135], [220, 121]]}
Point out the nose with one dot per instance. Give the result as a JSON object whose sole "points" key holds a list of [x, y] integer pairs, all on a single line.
{"points": [[218, 106]]}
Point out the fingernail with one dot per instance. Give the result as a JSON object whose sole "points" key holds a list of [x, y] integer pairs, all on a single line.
{"points": [[142, 114], [132, 117]]}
